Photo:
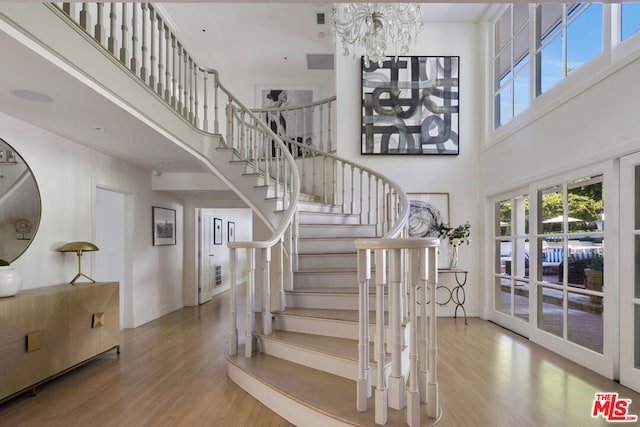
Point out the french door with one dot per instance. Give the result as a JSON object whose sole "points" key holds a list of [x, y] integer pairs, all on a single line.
{"points": [[553, 279], [630, 271]]}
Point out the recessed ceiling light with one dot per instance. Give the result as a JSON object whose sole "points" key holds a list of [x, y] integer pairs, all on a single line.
{"points": [[98, 129], [31, 95]]}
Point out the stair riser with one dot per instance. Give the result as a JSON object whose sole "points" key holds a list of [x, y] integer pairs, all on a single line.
{"points": [[338, 230], [328, 301], [326, 279], [323, 246], [307, 208], [337, 261], [344, 368], [330, 327], [319, 218]]}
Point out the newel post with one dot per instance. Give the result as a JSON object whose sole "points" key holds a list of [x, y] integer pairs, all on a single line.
{"points": [[251, 296], [433, 404], [266, 291], [381, 383], [233, 330], [396, 379], [413, 393], [364, 371]]}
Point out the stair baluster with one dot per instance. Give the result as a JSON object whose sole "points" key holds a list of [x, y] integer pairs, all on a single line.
{"points": [[269, 154], [423, 265]]}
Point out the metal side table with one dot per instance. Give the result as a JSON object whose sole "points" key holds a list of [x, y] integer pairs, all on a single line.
{"points": [[456, 294]]}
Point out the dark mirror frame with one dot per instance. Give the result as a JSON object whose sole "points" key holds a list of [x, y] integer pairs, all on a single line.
{"points": [[20, 204]]}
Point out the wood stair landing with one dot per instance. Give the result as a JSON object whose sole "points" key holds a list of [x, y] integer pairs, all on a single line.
{"points": [[321, 399]]}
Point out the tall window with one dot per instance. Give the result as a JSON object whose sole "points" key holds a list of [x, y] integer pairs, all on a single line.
{"points": [[511, 63], [567, 36]]}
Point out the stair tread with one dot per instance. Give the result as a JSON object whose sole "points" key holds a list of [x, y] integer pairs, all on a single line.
{"points": [[332, 238], [341, 347], [344, 348], [329, 314], [327, 254], [337, 225], [347, 290], [324, 392], [326, 213], [327, 270]]}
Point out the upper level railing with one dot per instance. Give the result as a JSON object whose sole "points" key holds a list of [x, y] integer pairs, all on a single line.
{"points": [[358, 190], [142, 42], [309, 124]]}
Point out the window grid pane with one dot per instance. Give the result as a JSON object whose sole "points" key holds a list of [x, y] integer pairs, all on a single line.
{"points": [[551, 316], [521, 91], [585, 324], [551, 63], [511, 44], [584, 37], [630, 19]]}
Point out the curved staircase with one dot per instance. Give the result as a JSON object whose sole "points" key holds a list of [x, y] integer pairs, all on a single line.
{"points": [[315, 351]]}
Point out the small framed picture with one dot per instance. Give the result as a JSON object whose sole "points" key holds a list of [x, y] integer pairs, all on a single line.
{"points": [[231, 231], [217, 231], [427, 211], [164, 226]]}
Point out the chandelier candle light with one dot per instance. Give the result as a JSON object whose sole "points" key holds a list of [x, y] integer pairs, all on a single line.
{"points": [[370, 25]]}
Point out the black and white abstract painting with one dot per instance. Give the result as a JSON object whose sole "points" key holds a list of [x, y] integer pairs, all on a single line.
{"points": [[410, 105]]}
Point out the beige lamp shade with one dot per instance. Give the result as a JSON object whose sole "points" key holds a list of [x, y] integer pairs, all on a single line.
{"points": [[79, 248]]}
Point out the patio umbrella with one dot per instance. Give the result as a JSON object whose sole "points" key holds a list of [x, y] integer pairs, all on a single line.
{"points": [[560, 218]]}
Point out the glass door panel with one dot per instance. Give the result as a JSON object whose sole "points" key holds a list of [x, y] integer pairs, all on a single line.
{"points": [[521, 300], [585, 325], [551, 310]]}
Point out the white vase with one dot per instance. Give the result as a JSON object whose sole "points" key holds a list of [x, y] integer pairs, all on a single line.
{"points": [[10, 281], [453, 257]]}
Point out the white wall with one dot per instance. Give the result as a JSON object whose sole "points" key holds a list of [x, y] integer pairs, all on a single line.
{"points": [[457, 175], [67, 174], [600, 122], [228, 210]]}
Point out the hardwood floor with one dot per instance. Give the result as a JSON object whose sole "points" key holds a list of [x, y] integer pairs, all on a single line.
{"points": [[172, 372]]}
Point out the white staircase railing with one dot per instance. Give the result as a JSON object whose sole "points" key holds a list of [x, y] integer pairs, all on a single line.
{"points": [[138, 36], [376, 199], [309, 124], [140, 39], [418, 279]]}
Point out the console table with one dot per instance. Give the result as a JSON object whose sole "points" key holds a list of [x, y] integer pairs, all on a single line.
{"points": [[455, 293], [45, 332]]}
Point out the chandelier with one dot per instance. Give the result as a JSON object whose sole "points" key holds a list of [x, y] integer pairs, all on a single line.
{"points": [[370, 25]]}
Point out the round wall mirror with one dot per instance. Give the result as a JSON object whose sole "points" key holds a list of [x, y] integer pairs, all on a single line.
{"points": [[20, 205]]}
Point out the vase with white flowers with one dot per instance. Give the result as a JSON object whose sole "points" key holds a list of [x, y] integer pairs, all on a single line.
{"points": [[456, 236]]}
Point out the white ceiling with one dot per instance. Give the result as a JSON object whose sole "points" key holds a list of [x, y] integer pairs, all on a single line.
{"points": [[273, 35], [245, 35]]}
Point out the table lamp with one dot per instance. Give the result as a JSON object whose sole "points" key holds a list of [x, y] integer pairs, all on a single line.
{"points": [[79, 248]]}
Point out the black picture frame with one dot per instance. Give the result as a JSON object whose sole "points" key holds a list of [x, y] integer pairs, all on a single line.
{"points": [[217, 231], [410, 106], [231, 231], [163, 222]]}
